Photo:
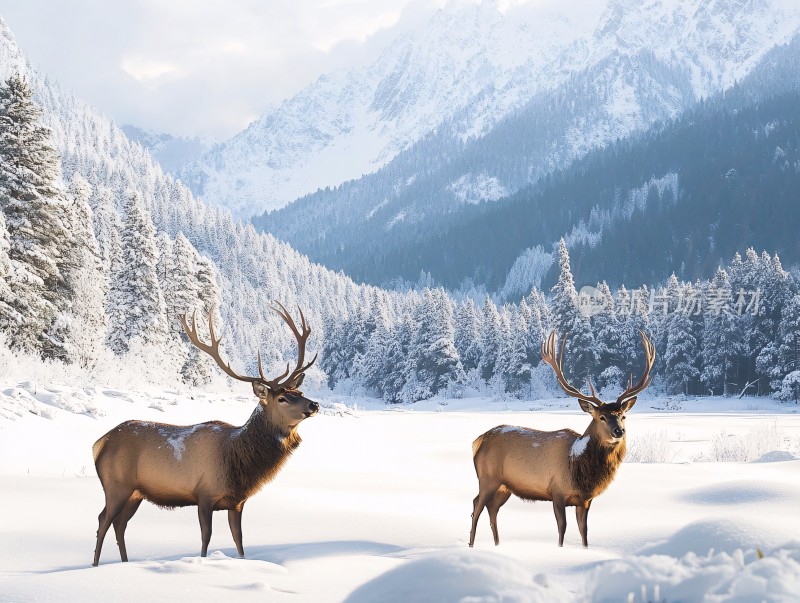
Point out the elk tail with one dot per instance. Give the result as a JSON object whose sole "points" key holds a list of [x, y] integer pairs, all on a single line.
{"points": [[97, 447], [476, 445]]}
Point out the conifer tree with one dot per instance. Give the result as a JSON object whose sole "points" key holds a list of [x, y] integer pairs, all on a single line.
{"points": [[515, 364], [468, 335], [85, 280], [491, 339], [136, 302], [433, 353], [570, 322], [9, 317], [37, 219], [789, 349], [681, 353], [720, 335], [397, 359], [107, 228]]}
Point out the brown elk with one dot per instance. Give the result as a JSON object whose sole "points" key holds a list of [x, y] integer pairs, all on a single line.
{"points": [[212, 465], [560, 466]]}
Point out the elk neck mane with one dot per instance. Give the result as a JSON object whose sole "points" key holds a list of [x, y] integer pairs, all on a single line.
{"points": [[257, 453], [594, 469]]}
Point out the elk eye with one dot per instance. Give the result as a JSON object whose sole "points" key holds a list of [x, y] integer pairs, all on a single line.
{"points": [[623, 417], [282, 399], [602, 418]]}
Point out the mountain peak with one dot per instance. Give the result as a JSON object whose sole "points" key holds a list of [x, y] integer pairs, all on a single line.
{"points": [[473, 64]]}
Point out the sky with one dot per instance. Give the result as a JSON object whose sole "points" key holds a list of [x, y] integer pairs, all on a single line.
{"points": [[201, 67]]}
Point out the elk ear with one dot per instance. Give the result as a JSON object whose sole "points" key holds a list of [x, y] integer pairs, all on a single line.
{"points": [[260, 390], [587, 406], [627, 405]]}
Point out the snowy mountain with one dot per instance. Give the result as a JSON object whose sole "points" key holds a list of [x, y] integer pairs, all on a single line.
{"points": [[171, 152], [473, 65], [373, 227], [470, 61]]}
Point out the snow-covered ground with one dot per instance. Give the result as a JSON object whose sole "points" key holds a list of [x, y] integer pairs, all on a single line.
{"points": [[375, 506]]}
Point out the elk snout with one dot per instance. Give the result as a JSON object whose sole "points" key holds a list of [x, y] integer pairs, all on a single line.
{"points": [[618, 432], [313, 408]]}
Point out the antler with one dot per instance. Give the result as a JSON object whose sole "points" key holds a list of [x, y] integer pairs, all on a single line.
{"points": [[650, 358], [290, 382], [213, 349], [549, 356]]}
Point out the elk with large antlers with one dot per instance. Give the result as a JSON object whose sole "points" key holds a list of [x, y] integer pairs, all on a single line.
{"points": [[212, 465], [560, 466]]}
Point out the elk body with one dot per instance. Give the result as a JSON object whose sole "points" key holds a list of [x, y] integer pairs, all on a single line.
{"points": [[561, 466], [212, 465]]}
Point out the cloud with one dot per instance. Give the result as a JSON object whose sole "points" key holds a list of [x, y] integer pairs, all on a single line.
{"points": [[204, 67]]}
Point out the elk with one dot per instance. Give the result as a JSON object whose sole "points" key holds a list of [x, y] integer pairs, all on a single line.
{"points": [[213, 465], [560, 466]]}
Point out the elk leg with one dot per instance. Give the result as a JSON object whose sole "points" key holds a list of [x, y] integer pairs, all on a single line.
{"points": [[121, 522], [109, 513], [560, 509], [235, 522], [484, 495], [205, 509], [498, 500], [582, 515]]}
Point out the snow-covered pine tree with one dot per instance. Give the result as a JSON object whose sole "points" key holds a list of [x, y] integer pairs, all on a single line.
{"points": [[491, 339], [396, 360], [433, 353], [515, 364], [539, 325], [581, 362], [9, 317], [209, 299], [773, 287], [107, 228], [37, 219], [332, 357], [662, 304], [468, 334], [721, 344], [608, 332], [136, 302], [742, 282], [373, 369], [563, 304], [789, 350], [629, 343], [85, 280], [681, 356]]}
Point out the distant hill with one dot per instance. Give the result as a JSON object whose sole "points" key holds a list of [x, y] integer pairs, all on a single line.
{"points": [[675, 177]]}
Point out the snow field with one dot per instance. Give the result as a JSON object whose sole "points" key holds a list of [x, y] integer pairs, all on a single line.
{"points": [[375, 506]]}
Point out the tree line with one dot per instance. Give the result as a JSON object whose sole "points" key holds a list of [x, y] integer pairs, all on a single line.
{"points": [[92, 268]]}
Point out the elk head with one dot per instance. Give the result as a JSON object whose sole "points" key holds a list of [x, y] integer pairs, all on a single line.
{"points": [[281, 397], [608, 419]]}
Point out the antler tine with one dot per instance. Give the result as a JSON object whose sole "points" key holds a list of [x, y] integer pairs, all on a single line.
{"points": [[556, 362], [212, 349], [646, 379], [301, 347]]}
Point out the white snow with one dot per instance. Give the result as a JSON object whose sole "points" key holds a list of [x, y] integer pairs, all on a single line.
{"points": [[578, 446], [176, 441], [477, 188], [374, 504], [460, 575]]}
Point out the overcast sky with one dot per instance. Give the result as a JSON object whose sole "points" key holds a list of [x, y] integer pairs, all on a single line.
{"points": [[200, 67]]}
